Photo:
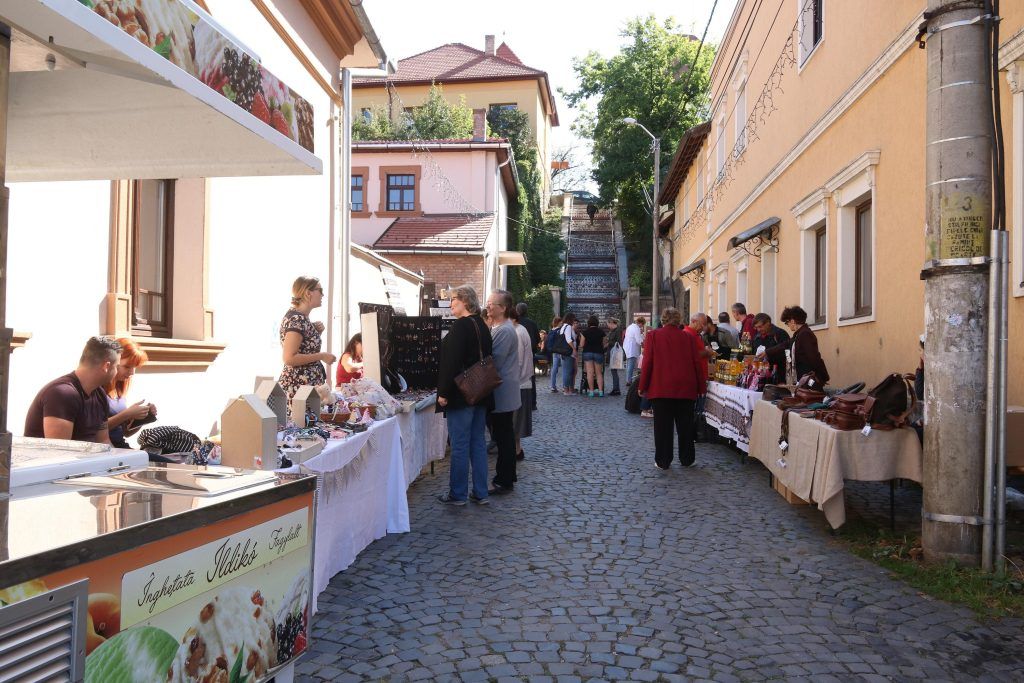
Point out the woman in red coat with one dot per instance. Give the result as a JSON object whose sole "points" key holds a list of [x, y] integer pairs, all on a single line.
{"points": [[672, 377]]}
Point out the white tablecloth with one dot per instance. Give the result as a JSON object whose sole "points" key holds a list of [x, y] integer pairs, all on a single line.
{"points": [[730, 410], [360, 496], [424, 438]]}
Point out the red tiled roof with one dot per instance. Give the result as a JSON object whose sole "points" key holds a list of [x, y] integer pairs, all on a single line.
{"points": [[505, 52], [458, 62], [685, 155], [437, 232]]}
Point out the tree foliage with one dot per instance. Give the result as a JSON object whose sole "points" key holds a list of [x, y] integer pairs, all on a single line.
{"points": [[528, 229], [435, 119], [648, 81]]}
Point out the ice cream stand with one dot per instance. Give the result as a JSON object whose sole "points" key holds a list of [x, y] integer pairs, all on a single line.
{"points": [[113, 568]]}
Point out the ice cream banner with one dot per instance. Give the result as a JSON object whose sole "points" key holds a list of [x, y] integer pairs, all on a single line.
{"points": [[227, 601], [153, 589], [181, 35]]}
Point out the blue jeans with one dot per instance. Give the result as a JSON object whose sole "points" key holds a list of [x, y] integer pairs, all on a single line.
{"points": [[568, 372], [466, 431], [556, 362], [630, 369], [615, 380]]}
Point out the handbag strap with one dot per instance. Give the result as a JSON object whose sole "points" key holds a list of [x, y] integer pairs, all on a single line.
{"points": [[479, 341]]}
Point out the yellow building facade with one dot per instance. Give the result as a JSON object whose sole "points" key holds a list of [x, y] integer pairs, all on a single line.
{"points": [[492, 77], [806, 186]]}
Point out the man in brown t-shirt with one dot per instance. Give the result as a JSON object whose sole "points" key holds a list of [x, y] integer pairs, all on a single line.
{"points": [[75, 406]]}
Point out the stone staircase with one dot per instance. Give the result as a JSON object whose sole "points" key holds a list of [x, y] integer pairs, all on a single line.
{"points": [[591, 277]]}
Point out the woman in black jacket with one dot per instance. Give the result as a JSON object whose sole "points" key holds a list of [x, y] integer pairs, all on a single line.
{"points": [[466, 343], [803, 345]]}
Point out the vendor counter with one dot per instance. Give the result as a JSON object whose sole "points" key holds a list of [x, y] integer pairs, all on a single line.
{"points": [[133, 570], [730, 410]]}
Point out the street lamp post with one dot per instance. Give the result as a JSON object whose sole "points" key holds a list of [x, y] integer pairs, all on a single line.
{"points": [[655, 256]]}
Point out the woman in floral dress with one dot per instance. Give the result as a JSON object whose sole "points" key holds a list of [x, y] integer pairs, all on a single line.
{"points": [[300, 338]]}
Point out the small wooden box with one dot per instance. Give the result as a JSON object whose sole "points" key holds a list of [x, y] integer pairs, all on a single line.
{"points": [[790, 497], [248, 434], [271, 393], [305, 402]]}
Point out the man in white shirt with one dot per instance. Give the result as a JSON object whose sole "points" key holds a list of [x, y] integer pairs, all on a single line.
{"points": [[631, 343]]}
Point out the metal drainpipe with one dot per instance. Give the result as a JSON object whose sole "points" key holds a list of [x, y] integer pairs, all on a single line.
{"points": [[5, 332], [344, 202]]}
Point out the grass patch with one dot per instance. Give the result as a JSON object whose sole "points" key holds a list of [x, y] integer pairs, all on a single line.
{"points": [[901, 554]]}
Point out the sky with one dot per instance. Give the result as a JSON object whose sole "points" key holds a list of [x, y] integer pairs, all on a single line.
{"points": [[545, 34]]}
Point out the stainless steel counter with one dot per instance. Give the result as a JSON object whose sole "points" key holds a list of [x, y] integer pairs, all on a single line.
{"points": [[45, 528]]}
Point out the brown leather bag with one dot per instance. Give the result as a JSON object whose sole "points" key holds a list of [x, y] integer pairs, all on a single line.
{"points": [[479, 380], [894, 400], [774, 392]]}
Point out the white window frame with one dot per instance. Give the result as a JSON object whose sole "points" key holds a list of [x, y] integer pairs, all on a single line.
{"points": [[721, 279], [1015, 78], [811, 213], [740, 108], [803, 59], [720, 146], [741, 262], [686, 202], [849, 189], [769, 279]]}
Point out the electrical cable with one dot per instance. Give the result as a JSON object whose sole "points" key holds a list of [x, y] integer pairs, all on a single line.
{"points": [[998, 151]]}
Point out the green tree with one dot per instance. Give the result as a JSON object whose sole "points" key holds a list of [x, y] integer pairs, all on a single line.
{"points": [[439, 119], [434, 119], [649, 81]]}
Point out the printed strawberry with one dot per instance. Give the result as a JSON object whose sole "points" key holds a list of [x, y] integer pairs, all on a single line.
{"points": [[300, 643], [279, 122], [260, 109]]}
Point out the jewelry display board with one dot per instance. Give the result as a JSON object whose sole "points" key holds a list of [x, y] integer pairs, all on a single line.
{"points": [[416, 344]]}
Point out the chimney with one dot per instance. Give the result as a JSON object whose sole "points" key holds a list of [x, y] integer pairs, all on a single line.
{"points": [[489, 44], [479, 125]]}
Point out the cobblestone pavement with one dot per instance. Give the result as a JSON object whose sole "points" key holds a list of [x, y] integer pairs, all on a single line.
{"points": [[601, 567]]}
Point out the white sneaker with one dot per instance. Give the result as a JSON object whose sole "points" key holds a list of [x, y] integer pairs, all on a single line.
{"points": [[647, 413]]}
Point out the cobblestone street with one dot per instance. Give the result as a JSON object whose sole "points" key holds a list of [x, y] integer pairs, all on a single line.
{"points": [[601, 567]]}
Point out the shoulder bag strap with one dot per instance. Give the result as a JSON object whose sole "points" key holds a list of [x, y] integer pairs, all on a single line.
{"points": [[479, 341]]}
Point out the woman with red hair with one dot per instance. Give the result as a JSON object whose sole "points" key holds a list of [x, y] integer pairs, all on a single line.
{"points": [[126, 419]]}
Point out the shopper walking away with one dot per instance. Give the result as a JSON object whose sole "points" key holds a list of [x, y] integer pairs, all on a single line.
{"points": [[593, 356], [534, 331], [507, 397], [523, 418], [634, 339], [672, 378], [466, 343], [614, 355], [555, 359]]}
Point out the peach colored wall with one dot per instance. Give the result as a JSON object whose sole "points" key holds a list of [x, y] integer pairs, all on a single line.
{"points": [[471, 172], [526, 94], [888, 117]]}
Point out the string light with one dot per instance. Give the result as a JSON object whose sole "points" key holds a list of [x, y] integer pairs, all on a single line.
{"points": [[759, 115]]}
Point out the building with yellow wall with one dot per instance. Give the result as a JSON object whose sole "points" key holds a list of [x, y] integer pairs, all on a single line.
{"points": [[492, 77], [806, 184]]}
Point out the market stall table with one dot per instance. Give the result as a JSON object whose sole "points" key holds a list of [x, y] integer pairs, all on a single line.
{"points": [[424, 437], [730, 410], [360, 496], [820, 458]]}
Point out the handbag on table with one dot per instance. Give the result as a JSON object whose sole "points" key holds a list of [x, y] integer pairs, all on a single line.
{"points": [[479, 380]]}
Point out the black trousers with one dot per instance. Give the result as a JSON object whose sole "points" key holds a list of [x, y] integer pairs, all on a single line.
{"points": [[503, 431], [669, 413]]}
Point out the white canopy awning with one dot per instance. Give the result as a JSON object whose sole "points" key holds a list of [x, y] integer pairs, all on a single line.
{"points": [[89, 101]]}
